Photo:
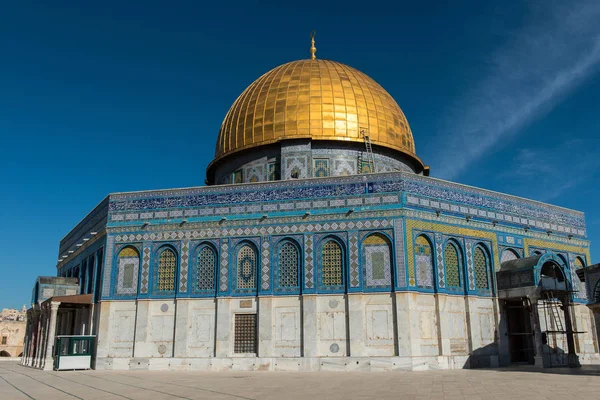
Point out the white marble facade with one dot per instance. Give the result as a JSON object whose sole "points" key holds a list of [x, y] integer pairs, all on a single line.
{"points": [[309, 332]]}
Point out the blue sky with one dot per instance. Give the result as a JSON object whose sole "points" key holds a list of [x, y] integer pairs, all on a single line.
{"points": [[121, 96]]}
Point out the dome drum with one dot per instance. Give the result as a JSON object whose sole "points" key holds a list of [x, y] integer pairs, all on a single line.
{"points": [[300, 159]]}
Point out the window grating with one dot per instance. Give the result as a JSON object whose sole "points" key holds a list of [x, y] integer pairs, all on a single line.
{"points": [[166, 270], [245, 333], [207, 260], [332, 264], [452, 263], [288, 266]]}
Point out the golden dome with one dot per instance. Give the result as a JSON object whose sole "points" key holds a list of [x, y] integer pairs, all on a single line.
{"points": [[318, 100]]}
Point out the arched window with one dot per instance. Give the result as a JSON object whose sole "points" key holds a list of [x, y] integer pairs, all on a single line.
{"points": [[377, 260], [508, 255], [424, 262], [332, 264], [481, 264], [288, 265], [578, 263], [246, 267], [128, 265], [452, 264], [206, 265], [167, 264]]}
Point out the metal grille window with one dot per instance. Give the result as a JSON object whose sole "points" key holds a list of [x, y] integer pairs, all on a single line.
{"points": [[206, 268], [288, 265], [452, 263], [481, 269], [246, 268], [332, 264], [166, 271], [245, 333]]}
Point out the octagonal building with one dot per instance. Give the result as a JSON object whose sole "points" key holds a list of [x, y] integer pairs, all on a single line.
{"points": [[319, 243]]}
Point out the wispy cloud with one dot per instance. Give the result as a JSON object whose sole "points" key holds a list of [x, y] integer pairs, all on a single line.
{"points": [[547, 173], [554, 52]]}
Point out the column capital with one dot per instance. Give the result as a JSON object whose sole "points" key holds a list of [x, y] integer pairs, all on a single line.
{"points": [[54, 305]]}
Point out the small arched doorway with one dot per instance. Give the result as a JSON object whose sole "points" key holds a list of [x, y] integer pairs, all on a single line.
{"points": [[4, 353]]}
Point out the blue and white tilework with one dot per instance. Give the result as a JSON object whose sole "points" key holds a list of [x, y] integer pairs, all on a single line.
{"points": [[110, 243], [265, 264], [400, 257], [224, 266], [470, 269], [145, 268], [183, 275], [354, 268], [308, 262], [439, 253]]}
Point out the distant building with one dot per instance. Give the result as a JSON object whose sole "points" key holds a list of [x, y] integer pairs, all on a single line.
{"points": [[12, 332], [320, 242]]}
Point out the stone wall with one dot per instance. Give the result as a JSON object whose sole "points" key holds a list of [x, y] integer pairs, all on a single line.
{"points": [[14, 332], [309, 332]]}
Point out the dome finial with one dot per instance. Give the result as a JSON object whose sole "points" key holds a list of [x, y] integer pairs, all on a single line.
{"points": [[313, 49]]}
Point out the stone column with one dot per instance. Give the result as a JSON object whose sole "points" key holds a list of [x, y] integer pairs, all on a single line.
{"points": [[403, 316], [40, 338], [444, 324], [223, 328], [49, 360], [140, 341], [309, 320], [573, 358], [265, 327], [356, 325], [537, 335], [181, 328]]}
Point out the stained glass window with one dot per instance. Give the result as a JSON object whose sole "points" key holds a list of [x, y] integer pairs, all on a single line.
{"points": [[452, 264], [424, 261], [332, 264], [321, 167], [481, 269], [207, 259], [246, 268], [167, 262], [288, 265]]}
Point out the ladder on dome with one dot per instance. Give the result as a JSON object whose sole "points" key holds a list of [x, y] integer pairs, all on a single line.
{"points": [[369, 148]]}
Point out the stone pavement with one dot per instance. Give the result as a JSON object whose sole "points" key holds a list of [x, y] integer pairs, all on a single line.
{"points": [[17, 382]]}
